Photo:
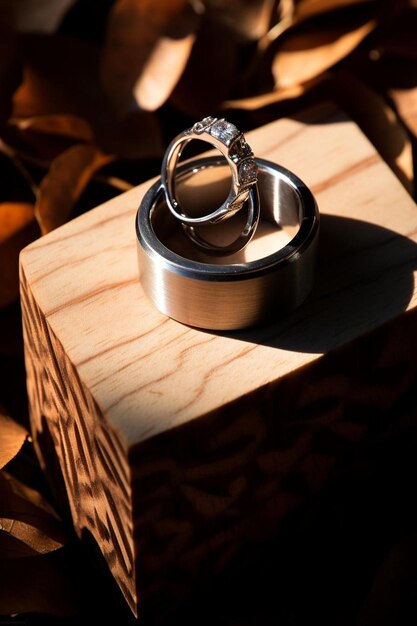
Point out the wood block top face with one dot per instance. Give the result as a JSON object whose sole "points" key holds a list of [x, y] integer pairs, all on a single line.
{"points": [[148, 373]]}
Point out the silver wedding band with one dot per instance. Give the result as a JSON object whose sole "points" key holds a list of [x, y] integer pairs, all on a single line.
{"points": [[238, 294]]}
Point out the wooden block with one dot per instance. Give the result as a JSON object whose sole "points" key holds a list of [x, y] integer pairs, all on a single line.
{"points": [[176, 448]]}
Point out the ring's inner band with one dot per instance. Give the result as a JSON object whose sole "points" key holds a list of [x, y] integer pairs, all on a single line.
{"points": [[182, 153], [201, 190]]}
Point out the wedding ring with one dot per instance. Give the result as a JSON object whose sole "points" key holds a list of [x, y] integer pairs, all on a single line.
{"points": [[194, 289], [231, 143], [243, 238]]}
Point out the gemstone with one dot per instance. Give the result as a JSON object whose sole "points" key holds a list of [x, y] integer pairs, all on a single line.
{"points": [[224, 131], [248, 172], [199, 127], [240, 150]]}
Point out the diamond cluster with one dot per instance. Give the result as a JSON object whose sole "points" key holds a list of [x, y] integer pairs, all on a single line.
{"points": [[224, 132], [200, 127], [239, 151], [248, 172]]}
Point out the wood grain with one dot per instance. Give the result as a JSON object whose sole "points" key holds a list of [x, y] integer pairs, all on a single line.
{"points": [[68, 424], [210, 439]]}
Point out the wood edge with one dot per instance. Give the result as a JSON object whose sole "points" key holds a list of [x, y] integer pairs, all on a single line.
{"points": [[73, 402]]}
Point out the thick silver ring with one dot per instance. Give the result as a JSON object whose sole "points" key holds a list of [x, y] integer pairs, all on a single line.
{"points": [[231, 143], [227, 296]]}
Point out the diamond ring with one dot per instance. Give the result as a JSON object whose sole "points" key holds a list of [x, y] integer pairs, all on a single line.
{"points": [[231, 143]]}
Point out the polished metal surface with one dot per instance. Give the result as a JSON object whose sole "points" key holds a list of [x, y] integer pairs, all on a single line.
{"points": [[231, 143], [241, 240], [256, 285]]}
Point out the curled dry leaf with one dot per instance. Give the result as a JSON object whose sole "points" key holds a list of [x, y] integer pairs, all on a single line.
{"points": [[292, 13], [211, 73], [68, 176], [68, 125], [306, 9], [49, 89], [162, 71], [303, 56], [9, 65], [272, 97], [28, 524], [406, 102], [248, 19], [12, 437], [42, 16], [379, 123], [18, 228], [133, 34]]}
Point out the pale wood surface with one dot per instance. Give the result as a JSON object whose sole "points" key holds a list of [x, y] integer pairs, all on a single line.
{"points": [[84, 278], [115, 388]]}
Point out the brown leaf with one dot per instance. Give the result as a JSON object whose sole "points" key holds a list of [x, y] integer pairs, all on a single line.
{"points": [[49, 86], [292, 13], [70, 126], [208, 79], [18, 228], [271, 97], [49, 89], [63, 184], [162, 71], [249, 19], [406, 102], [306, 9], [9, 65], [12, 437], [134, 30], [303, 56], [379, 122], [40, 16], [28, 524]]}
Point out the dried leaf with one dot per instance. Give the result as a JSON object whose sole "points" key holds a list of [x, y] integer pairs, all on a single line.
{"points": [[64, 125], [306, 9], [134, 30], [208, 79], [406, 102], [28, 524], [12, 437], [64, 183], [9, 66], [42, 16], [379, 122], [303, 56], [272, 97], [49, 88], [162, 71], [249, 19], [295, 13], [18, 228]]}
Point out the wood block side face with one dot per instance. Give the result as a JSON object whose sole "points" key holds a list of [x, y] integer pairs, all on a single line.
{"points": [[88, 457], [209, 494]]}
